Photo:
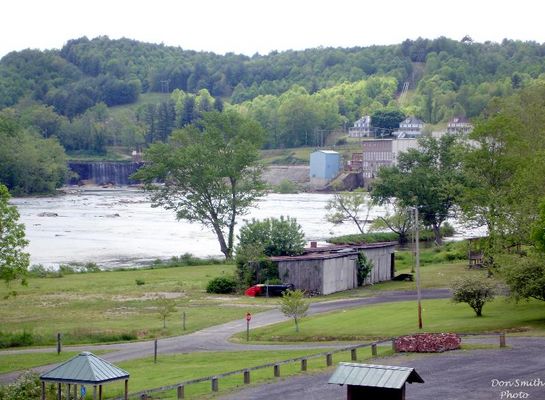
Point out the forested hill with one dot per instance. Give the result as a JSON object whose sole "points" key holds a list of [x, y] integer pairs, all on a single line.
{"points": [[293, 94]]}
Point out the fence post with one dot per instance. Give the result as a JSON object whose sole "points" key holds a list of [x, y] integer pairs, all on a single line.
{"points": [[183, 320], [329, 359], [502, 339], [155, 351], [247, 377], [276, 370], [394, 345], [181, 391], [58, 343], [374, 349], [214, 384], [354, 354], [304, 364]]}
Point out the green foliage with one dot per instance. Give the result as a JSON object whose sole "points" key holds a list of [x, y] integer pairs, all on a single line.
{"points": [[140, 282], [222, 285], [286, 187], [386, 120], [210, 173], [349, 206], [27, 386], [475, 291], [364, 267], [525, 276], [13, 260], [293, 305], [29, 164], [399, 222], [16, 339], [429, 178], [165, 307], [538, 231]]}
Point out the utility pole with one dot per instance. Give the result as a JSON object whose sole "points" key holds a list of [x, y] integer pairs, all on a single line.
{"points": [[417, 261]]}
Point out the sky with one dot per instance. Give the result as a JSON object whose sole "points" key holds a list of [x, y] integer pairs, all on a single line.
{"points": [[261, 26]]}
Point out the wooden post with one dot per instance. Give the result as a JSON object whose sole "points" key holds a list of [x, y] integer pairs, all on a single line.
{"points": [[183, 320], [214, 384], [304, 364], [181, 391], [75, 392], [59, 343], [99, 392], [155, 351], [43, 390], [354, 354], [68, 389], [374, 349], [126, 389], [59, 391], [329, 359], [276, 370], [502, 339], [95, 392], [247, 377]]}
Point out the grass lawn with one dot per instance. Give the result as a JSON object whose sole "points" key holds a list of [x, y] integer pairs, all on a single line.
{"points": [[394, 319], [20, 362], [173, 369], [110, 306]]}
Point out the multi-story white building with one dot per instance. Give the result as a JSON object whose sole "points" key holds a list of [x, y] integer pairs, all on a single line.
{"points": [[362, 127], [409, 128]]}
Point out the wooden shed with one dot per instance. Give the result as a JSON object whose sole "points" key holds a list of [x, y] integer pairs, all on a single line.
{"points": [[84, 369], [366, 381], [331, 269]]}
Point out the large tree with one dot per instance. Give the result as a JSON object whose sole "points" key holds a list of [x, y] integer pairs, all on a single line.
{"points": [[429, 178], [13, 260], [210, 172]]}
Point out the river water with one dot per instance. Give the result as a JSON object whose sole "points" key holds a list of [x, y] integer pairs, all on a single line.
{"points": [[118, 227]]}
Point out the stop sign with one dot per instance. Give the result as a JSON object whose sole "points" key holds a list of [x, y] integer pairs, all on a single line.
{"points": [[248, 316]]}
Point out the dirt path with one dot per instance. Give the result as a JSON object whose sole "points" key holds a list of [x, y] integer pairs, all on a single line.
{"points": [[216, 337]]}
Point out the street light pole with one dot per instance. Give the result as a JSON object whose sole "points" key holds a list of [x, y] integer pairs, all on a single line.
{"points": [[417, 261]]}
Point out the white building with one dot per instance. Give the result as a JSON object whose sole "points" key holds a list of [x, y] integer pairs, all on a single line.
{"points": [[377, 153], [362, 127], [409, 128]]}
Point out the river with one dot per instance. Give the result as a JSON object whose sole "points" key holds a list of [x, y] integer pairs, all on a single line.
{"points": [[118, 227]]}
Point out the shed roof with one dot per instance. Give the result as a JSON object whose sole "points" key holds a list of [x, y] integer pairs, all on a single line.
{"points": [[85, 368], [333, 251], [383, 376]]}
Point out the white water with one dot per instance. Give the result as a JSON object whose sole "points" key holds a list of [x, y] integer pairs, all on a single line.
{"points": [[118, 227]]}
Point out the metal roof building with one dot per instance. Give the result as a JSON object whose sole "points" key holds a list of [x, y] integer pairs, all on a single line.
{"points": [[366, 381], [84, 369]]}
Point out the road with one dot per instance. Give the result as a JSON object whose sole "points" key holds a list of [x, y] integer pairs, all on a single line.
{"points": [[490, 374], [216, 337]]}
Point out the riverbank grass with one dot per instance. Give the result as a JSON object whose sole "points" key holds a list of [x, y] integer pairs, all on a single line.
{"points": [[400, 318]]}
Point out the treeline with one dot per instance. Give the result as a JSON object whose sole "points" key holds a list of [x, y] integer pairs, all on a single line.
{"points": [[299, 97]]}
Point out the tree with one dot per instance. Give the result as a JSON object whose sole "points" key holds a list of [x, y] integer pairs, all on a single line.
{"points": [[165, 307], [429, 178], [259, 240], [387, 120], [475, 291], [293, 305], [14, 261], [349, 206], [399, 221], [525, 276], [210, 172]]}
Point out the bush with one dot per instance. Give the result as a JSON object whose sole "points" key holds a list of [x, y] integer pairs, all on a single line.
{"points": [[27, 386], [16, 339], [222, 285], [140, 282], [286, 187], [364, 267], [475, 291]]}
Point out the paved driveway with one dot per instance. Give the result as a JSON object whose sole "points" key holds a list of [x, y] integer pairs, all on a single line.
{"points": [[491, 374]]}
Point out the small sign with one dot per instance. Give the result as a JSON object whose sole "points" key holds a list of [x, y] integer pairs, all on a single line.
{"points": [[83, 391], [248, 316]]}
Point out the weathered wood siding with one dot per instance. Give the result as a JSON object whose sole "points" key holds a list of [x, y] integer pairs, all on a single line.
{"points": [[339, 274], [382, 264], [303, 274]]}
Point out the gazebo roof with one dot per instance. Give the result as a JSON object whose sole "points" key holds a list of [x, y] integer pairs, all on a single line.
{"points": [[85, 368], [382, 376]]}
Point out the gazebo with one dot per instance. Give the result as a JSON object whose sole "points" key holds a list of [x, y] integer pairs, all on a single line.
{"points": [[84, 369]]}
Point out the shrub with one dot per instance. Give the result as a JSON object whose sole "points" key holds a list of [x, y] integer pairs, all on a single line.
{"points": [[16, 339], [475, 291], [364, 267], [140, 282], [27, 386], [222, 285], [286, 187]]}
